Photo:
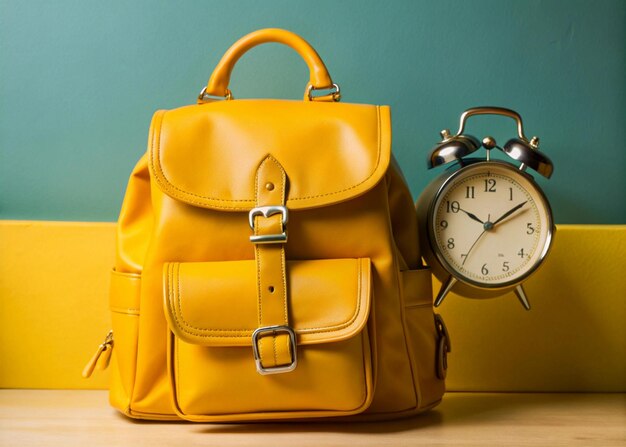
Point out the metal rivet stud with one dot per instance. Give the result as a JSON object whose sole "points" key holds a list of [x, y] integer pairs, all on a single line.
{"points": [[269, 186]]}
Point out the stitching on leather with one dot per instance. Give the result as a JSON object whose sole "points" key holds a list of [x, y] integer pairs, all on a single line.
{"points": [[124, 311], [257, 257], [176, 272], [162, 179], [173, 297], [379, 149], [260, 345], [283, 182], [284, 280], [126, 275], [170, 267], [366, 388], [177, 370], [183, 324], [170, 288], [259, 285], [283, 178], [341, 326], [417, 306], [274, 348]]}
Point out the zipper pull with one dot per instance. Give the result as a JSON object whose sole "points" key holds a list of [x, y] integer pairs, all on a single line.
{"points": [[101, 358]]}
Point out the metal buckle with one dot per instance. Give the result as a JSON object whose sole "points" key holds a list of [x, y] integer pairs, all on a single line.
{"points": [[204, 97], [443, 348], [257, 357], [442, 331], [335, 93], [267, 211]]}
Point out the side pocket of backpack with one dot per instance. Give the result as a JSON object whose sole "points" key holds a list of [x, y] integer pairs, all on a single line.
{"points": [[422, 336], [124, 294]]}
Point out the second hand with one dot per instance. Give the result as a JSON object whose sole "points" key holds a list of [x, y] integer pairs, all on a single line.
{"points": [[487, 226]]}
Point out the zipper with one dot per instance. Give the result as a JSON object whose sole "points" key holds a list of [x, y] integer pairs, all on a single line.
{"points": [[101, 358]]}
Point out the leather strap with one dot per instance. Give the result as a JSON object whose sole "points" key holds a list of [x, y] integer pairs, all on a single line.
{"points": [[319, 77], [270, 190]]}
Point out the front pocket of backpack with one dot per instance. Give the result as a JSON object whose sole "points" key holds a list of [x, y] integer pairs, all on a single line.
{"points": [[212, 312]]}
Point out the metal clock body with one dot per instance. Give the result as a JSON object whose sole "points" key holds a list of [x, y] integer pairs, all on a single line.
{"points": [[486, 226]]}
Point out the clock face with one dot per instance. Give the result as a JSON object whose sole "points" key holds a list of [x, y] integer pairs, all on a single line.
{"points": [[490, 225]]}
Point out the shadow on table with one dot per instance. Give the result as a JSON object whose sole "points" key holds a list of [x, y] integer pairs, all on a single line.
{"points": [[429, 419], [457, 409]]}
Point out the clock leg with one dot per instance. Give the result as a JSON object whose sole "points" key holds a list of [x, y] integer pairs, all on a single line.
{"points": [[521, 296], [445, 288]]}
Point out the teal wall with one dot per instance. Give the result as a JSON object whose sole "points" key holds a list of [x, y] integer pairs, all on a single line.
{"points": [[80, 79]]}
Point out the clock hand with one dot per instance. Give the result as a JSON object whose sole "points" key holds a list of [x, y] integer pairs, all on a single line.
{"points": [[485, 229], [509, 212], [475, 242], [472, 216]]}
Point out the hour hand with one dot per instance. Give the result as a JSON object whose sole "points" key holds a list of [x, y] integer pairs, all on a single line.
{"points": [[472, 216]]}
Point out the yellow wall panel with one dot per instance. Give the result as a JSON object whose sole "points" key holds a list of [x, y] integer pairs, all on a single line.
{"points": [[573, 339], [54, 313], [53, 301]]}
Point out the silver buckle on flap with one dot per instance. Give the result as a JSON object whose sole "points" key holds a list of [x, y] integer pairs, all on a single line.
{"points": [[257, 356], [267, 211]]}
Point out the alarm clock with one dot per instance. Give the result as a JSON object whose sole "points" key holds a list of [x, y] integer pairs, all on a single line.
{"points": [[485, 224]]}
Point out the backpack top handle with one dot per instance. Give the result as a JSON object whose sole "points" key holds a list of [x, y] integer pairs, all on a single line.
{"points": [[319, 77]]}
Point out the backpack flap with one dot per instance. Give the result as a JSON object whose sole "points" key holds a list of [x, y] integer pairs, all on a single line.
{"points": [[212, 311], [207, 155]]}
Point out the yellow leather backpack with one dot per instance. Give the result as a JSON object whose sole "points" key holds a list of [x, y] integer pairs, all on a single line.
{"points": [[268, 264]]}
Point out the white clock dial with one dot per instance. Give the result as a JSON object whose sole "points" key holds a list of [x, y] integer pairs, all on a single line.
{"points": [[491, 225]]}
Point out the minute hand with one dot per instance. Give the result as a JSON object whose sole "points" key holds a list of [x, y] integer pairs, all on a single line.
{"points": [[509, 212]]}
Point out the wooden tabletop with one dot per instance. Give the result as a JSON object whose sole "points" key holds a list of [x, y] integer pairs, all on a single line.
{"points": [[83, 418]]}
